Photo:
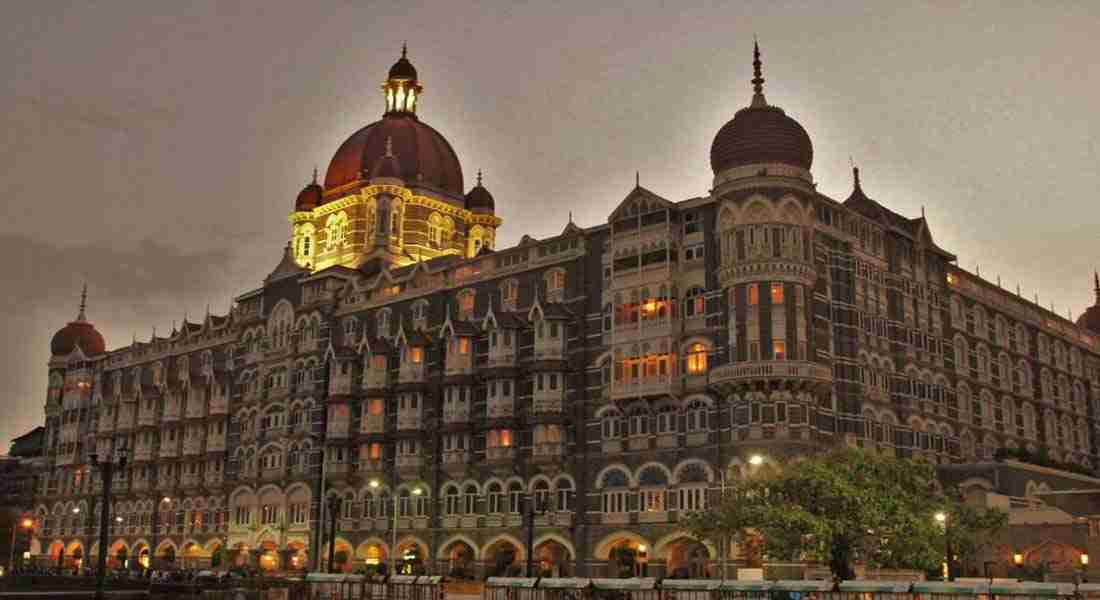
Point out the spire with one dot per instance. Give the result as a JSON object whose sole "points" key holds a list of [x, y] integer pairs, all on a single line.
{"points": [[637, 179], [758, 100], [83, 303], [855, 176], [314, 174], [404, 49], [479, 177]]}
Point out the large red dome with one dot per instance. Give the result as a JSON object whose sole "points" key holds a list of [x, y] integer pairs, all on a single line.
{"points": [[425, 156], [76, 333], [757, 135]]}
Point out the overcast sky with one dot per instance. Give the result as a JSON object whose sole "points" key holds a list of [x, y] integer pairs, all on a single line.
{"points": [[154, 149]]}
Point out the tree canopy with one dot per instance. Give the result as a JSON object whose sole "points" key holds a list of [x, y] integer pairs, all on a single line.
{"points": [[845, 506]]}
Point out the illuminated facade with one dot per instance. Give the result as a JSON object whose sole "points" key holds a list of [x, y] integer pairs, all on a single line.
{"points": [[397, 361]]}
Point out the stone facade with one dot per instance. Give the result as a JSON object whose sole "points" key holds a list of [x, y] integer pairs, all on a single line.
{"points": [[616, 374]]}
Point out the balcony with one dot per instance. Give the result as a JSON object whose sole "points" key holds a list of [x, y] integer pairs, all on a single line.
{"points": [[371, 465], [215, 443], [456, 414], [409, 461], [275, 474], [338, 430], [192, 447], [106, 424], [411, 372], [169, 450], [548, 401], [549, 348], [772, 370], [219, 405], [213, 479], [143, 454], [500, 453], [376, 378], [171, 412], [459, 364], [501, 408], [141, 485], [549, 450], [147, 418], [196, 409], [643, 386], [190, 480], [501, 356], [454, 458], [372, 424], [408, 419]]}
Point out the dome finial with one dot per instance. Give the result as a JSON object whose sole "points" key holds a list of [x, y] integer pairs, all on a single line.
{"points": [[83, 303], [404, 49], [315, 174], [758, 76], [479, 177]]}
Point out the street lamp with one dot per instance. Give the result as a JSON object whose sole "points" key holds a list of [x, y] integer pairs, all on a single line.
{"points": [[334, 512], [416, 491], [107, 471], [756, 460], [27, 524], [941, 518], [534, 507], [156, 523]]}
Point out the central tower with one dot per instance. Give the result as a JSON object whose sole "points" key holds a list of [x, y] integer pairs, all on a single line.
{"points": [[393, 193]]}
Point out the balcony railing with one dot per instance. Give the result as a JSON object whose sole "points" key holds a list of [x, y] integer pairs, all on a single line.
{"points": [[376, 378], [456, 457], [457, 414], [462, 364], [548, 401], [643, 386], [773, 369], [409, 461], [549, 349], [192, 447], [549, 449], [500, 453], [372, 424], [502, 356], [219, 405], [411, 372], [215, 443], [171, 412], [501, 408], [408, 419]]}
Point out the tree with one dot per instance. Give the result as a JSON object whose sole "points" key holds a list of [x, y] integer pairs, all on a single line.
{"points": [[843, 507]]}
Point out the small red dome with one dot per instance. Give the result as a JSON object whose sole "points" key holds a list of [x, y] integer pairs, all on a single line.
{"points": [[80, 333], [425, 157], [479, 199], [309, 198]]}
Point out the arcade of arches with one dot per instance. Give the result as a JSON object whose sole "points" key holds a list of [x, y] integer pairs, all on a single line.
{"points": [[618, 554]]}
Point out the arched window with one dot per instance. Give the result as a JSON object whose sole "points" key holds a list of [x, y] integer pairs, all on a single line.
{"points": [[496, 498], [615, 492], [515, 497], [469, 497], [564, 492], [696, 414], [452, 500], [697, 359], [542, 493]]}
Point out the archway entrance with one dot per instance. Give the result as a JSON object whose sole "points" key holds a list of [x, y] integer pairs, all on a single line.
{"points": [[269, 557], [552, 559], [142, 554], [372, 556], [410, 559], [117, 555], [297, 557], [460, 561], [628, 558], [687, 559], [191, 557], [503, 560]]}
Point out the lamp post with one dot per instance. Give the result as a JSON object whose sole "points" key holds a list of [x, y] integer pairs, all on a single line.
{"points": [[27, 524], [156, 523], [393, 547], [334, 512], [941, 518], [107, 471], [534, 508]]}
